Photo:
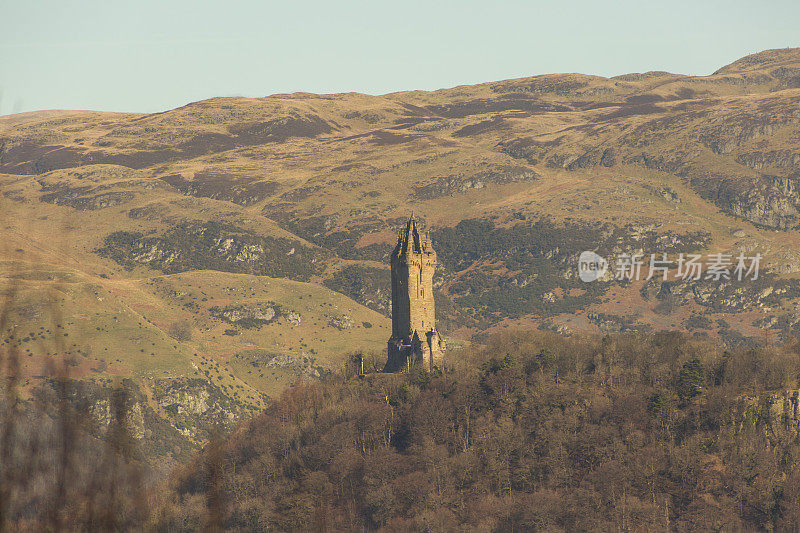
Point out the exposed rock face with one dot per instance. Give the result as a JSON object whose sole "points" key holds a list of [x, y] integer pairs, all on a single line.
{"points": [[666, 193], [247, 316], [253, 313], [216, 246], [102, 411], [561, 329], [182, 402], [90, 203], [725, 295], [187, 411], [758, 160], [778, 413], [451, 185], [195, 406], [770, 202], [300, 365], [294, 318], [786, 262], [341, 322]]}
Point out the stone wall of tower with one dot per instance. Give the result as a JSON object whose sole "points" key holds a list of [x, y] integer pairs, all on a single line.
{"points": [[420, 285], [415, 340]]}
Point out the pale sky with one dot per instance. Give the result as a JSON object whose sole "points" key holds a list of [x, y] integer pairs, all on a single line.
{"points": [[153, 55]]}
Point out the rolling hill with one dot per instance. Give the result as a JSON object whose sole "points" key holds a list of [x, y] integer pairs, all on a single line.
{"points": [[213, 253]]}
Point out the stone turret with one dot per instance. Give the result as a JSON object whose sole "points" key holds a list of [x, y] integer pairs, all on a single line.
{"points": [[414, 339]]}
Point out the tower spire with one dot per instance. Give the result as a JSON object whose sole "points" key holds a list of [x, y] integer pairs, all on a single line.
{"points": [[414, 337]]}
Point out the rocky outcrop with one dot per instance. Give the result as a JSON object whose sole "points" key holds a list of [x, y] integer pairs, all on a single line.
{"points": [[667, 193], [341, 322], [294, 318], [214, 246], [459, 184], [89, 203], [777, 413], [767, 292], [769, 202], [777, 159], [248, 316], [786, 262], [298, 364], [195, 407], [164, 418]]}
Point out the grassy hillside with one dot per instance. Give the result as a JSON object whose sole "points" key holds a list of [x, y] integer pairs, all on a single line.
{"points": [[243, 242]]}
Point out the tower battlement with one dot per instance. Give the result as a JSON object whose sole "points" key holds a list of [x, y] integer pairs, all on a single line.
{"points": [[414, 337]]}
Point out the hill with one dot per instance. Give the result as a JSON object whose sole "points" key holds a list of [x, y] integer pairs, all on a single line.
{"points": [[222, 249], [534, 433]]}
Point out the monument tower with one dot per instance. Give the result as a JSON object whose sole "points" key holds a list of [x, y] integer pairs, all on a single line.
{"points": [[414, 337]]}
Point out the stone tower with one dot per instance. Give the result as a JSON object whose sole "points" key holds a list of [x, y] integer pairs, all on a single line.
{"points": [[414, 339]]}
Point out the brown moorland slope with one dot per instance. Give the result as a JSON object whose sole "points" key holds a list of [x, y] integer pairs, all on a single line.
{"points": [[234, 244]]}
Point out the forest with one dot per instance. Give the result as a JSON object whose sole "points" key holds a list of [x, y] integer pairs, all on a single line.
{"points": [[531, 431]]}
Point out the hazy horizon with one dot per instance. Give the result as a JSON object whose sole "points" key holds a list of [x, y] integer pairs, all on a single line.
{"points": [[148, 57]]}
